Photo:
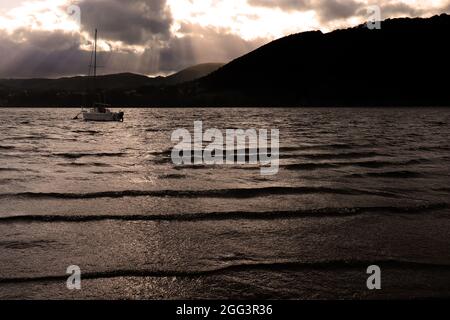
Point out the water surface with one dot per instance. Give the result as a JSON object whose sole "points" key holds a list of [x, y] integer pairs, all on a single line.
{"points": [[356, 187]]}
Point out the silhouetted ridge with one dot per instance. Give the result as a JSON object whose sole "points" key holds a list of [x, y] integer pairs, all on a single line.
{"points": [[192, 73], [400, 64]]}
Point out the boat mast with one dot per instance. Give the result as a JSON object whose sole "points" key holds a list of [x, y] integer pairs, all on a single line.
{"points": [[95, 54], [95, 65]]}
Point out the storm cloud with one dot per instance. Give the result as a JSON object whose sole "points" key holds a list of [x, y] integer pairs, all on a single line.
{"points": [[129, 21], [330, 10], [57, 53], [41, 54]]}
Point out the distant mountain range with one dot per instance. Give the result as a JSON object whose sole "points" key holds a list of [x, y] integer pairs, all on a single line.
{"points": [[402, 64], [124, 81]]}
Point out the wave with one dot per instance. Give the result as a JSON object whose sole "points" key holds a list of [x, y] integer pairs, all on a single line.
{"points": [[338, 146], [7, 147], [240, 267], [213, 193], [438, 123], [282, 151], [4, 181], [309, 166], [389, 174], [381, 164], [29, 137], [89, 164], [349, 155], [163, 157], [372, 164], [430, 148], [75, 155], [238, 215], [106, 172], [15, 170], [10, 170], [37, 137], [172, 176], [91, 132], [21, 245], [156, 130]]}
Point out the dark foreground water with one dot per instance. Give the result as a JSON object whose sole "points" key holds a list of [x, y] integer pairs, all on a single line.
{"points": [[356, 187]]}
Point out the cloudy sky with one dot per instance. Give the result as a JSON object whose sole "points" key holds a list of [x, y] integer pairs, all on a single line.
{"points": [[52, 38]]}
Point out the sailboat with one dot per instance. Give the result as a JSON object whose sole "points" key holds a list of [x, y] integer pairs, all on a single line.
{"points": [[100, 111]]}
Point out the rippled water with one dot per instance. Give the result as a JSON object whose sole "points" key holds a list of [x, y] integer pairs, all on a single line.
{"points": [[356, 187]]}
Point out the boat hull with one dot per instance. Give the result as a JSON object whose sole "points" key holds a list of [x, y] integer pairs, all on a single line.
{"points": [[103, 117]]}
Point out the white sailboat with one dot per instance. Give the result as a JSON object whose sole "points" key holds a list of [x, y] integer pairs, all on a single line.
{"points": [[100, 111]]}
